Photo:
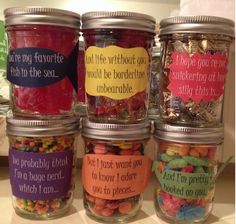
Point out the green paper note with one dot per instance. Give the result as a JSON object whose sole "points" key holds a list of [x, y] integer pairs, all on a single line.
{"points": [[184, 185]]}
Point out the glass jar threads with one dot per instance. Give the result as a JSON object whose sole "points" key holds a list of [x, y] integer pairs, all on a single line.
{"points": [[195, 54], [42, 60], [117, 64], [186, 169], [115, 170], [42, 157]]}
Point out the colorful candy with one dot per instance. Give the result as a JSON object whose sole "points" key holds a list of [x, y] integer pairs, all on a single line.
{"points": [[104, 209], [106, 109], [121, 96], [48, 144], [112, 208], [43, 146], [186, 161], [153, 106]]}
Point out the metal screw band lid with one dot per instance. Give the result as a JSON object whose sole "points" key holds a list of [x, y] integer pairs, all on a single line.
{"points": [[197, 24], [184, 134], [115, 131], [118, 20], [41, 16], [33, 128]]}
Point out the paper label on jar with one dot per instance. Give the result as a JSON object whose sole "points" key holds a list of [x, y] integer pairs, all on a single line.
{"points": [[115, 177], [198, 76], [37, 67], [183, 185], [116, 72], [40, 176]]}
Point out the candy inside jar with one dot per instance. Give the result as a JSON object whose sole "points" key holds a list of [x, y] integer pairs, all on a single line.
{"points": [[186, 167], [117, 65], [42, 60], [41, 167], [115, 172], [154, 105], [194, 67]]}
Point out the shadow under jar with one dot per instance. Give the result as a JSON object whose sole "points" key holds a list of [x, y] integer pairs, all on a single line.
{"points": [[42, 60], [186, 170], [195, 54], [115, 170], [42, 158], [117, 65]]}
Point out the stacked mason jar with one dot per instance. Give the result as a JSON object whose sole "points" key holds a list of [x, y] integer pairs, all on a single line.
{"points": [[42, 127], [42, 70], [195, 54], [115, 169]]}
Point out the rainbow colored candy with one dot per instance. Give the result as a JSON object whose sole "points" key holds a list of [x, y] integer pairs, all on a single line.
{"points": [[185, 158], [43, 145]]}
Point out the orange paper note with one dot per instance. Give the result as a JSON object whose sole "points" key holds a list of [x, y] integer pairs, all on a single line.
{"points": [[114, 177]]}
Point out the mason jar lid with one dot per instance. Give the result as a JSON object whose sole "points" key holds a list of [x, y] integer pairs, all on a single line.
{"points": [[184, 134], [118, 20], [33, 127], [197, 24], [107, 131], [41, 16]]}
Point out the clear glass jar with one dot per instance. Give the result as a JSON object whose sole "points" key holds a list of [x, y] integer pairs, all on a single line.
{"points": [[195, 54], [117, 65], [154, 105], [115, 170], [80, 107], [42, 60], [42, 156], [186, 168]]}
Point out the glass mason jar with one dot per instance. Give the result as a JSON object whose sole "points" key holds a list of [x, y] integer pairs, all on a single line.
{"points": [[195, 54], [42, 60], [80, 107], [117, 65], [153, 108], [42, 156], [115, 170], [186, 169]]}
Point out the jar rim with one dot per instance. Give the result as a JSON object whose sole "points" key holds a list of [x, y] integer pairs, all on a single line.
{"points": [[41, 16], [23, 126], [197, 24], [185, 134], [118, 20], [111, 131]]}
